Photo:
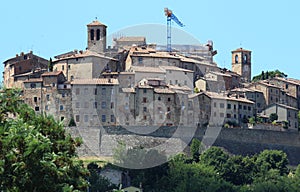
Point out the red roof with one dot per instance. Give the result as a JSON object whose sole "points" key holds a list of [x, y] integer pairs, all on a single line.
{"points": [[52, 73], [95, 23]]}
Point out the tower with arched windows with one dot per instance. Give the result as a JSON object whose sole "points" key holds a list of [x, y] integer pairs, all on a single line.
{"points": [[96, 37], [241, 63]]}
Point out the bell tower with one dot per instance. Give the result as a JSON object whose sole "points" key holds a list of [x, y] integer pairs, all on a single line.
{"points": [[96, 37], [241, 63]]}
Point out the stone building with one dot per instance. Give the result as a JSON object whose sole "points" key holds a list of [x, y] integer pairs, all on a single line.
{"points": [[241, 63], [96, 37], [127, 42], [291, 86], [50, 94], [84, 64], [285, 113], [21, 68], [251, 94], [94, 101], [214, 109]]}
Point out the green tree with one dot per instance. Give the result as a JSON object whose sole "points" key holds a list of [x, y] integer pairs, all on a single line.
{"points": [[195, 177], [96, 181], [269, 75], [195, 149], [50, 64], [272, 159], [273, 117], [215, 157], [36, 154]]}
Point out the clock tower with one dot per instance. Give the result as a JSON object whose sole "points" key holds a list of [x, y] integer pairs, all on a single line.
{"points": [[241, 63]]}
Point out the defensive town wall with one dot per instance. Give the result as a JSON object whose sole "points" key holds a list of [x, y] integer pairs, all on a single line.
{"points": [[102, 141]]}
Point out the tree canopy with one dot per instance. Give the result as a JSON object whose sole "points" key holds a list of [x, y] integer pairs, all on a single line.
{"points": [[36, 154], [269, 75]]}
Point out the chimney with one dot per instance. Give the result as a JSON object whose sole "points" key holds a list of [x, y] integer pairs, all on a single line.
{"points": [[17, 55], [30, 52], [22, 53], [80, 51], [76, 51]]}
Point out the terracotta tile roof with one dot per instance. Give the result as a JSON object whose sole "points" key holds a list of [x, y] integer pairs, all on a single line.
{"points": [[246, 90], [128, 90], [183, 88], [239, 50], [146, 69], [165, 91], [53, 73], [219, 74], [288, 80], [132, 38], [33, 80], [95, 23], [174, 68], [224, 96], [284, 106], [82, 54], [99, 81]]}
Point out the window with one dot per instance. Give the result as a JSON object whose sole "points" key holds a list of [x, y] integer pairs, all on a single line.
{"points": [[46, 107], [77, 91], [159, 98], [221, 105], [112, 118], [258, 104], [215, 104], [32, 85], [95, 105], [145, 117], [240, 106], [249, 108], [103, 105], [63, 95], [98, 34], [234, 107], [228, 106], [86, 118], [72, 77], [169, 99], [35, 99], [168, 109], [37, 108], [228, 115], [144, 100], [234, 116], [145, 109], [103, 118], [286, 86], [69, 66], [20, 68], [245, 107], [140, 60], [62, 118], [77, 118], [236, 59], [77, 105], [112, 105], [103, 91], [176, 82], [185, 82], [61, 107], [95, 91], [62, 67], [144, 90], [245, 58], [48, 97], [92, 34]]}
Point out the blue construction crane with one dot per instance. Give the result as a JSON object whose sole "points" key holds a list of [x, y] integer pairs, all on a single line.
{"points": [[170, 16]]}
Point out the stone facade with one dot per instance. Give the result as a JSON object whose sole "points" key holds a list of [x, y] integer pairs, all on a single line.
{"points": [[241, 63], [96, 37], [22, 64]]}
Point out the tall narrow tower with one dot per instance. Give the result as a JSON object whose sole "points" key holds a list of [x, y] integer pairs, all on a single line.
{"points": [[241, 63], [96, 37]]}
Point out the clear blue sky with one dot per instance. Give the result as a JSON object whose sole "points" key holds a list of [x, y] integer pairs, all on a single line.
{"points": [[269, 28]]}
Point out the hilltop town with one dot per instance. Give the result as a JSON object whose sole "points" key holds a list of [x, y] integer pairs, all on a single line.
{"points": [[133, 83]]}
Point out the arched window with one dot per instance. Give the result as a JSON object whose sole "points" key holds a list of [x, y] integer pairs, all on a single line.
{"points": [[236, 58], [98, 34], [245, 59], [92, 35]]}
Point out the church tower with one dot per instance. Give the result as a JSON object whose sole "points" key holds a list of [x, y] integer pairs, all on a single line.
{"points": [[96, 37], [241, 63]]}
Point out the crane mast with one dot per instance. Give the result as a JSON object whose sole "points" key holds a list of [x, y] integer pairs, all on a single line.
{"points": [[170, 16]]}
